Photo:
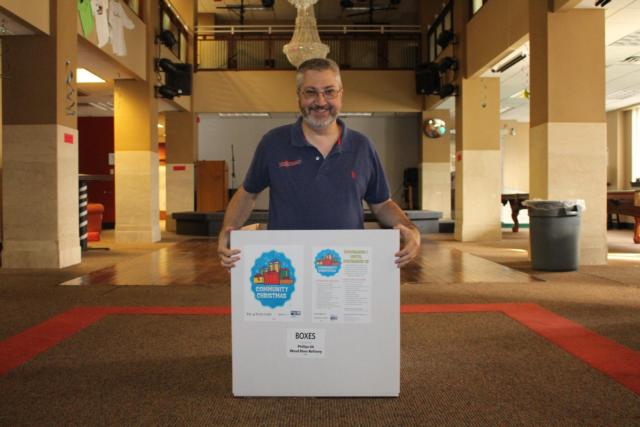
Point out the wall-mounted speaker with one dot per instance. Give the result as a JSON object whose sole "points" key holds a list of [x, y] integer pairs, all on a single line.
{"points": [[427, 79]]}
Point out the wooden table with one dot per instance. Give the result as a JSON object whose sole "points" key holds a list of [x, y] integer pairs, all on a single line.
{"points": [[625, 203], [515, 201]]}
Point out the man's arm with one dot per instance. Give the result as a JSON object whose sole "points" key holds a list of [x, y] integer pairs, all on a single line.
{"points": [[389, 214], [237, 213]]}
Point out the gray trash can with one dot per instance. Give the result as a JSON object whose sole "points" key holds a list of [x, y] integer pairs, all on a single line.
{"points": [[554, 233]]}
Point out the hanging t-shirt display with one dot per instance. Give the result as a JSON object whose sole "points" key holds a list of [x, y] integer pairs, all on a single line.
{"points": [[100, 8], [86, 16], [118, 20]]}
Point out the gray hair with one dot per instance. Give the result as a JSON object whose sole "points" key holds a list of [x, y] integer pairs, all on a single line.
{"points": [[317, 64]]}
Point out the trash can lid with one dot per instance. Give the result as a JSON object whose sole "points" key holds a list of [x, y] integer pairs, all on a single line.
{"points": [[539, 207]]}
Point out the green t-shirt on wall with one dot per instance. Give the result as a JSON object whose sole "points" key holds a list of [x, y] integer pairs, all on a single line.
{"points": [[86, 16]]}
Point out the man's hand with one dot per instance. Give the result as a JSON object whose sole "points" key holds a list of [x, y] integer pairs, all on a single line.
{"points": [[237, 213], [228, 257], [410, 238]]}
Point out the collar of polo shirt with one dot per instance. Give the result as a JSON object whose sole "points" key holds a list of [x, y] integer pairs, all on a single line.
{"points": [[298, 139]]}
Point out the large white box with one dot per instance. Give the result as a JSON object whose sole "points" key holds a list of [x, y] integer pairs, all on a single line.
{"points": [[316, 313]]}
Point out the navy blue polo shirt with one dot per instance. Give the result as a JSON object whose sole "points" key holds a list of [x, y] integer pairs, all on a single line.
{"points": [[309, 192]]}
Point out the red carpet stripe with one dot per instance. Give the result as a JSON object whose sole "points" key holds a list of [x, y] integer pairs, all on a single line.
{"points": [[615, 360], [28, 344]]}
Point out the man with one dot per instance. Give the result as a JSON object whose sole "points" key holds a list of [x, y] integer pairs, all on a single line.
{"points": [[318, 172]]}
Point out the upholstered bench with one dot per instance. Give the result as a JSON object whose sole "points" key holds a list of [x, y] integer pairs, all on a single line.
{"points": [[209, 223]]}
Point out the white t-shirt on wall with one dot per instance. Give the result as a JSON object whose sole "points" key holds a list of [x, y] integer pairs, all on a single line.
{"points": [[118, 20], [100, 14]]}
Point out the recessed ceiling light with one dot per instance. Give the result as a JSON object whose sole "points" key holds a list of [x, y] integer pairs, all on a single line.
{"points": [[85, 76]]}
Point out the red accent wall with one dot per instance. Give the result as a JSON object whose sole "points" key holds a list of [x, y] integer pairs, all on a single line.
{"points": [[95, 142]]}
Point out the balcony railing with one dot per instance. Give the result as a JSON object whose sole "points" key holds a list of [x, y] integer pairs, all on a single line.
{"points": [[259, 47]]}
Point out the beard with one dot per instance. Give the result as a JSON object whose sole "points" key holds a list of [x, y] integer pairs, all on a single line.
{"points": [[318, 123]]}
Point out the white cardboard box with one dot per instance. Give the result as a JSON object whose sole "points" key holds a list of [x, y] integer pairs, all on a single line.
{"points": [[316, 313]]}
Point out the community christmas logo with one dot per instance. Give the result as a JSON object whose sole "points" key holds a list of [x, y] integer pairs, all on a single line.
{"points": [[328, 262], [273, 279]]}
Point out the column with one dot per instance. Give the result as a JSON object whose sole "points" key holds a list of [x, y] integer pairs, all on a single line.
{"points": [[478, 179], [181, 156], [568, 135], [40, 146], [136, 162], [436, 167], [136, 149]]}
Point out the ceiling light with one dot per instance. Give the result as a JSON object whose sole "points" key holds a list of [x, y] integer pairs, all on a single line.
{"points": [[104, 106], [356, 114], [523, 94], [85, 76], [305, 43], [243, 114], [160, 125], [507, 63]]}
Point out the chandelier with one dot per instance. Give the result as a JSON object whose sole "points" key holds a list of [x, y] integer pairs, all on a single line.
{"points": [[305, 43]]}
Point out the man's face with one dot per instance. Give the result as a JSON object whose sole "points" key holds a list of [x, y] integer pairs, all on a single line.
{"points": [[320, 98]]}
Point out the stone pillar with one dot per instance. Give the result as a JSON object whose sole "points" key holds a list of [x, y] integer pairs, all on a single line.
{"points": [[436, 167], [136, 149], [136, 162], [478, 160], [568, 136], [181, 156], [40, 146]]}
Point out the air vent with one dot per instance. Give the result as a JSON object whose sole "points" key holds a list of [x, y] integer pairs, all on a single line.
{"points": [[632, 39], [634, 60], [623, 94]]}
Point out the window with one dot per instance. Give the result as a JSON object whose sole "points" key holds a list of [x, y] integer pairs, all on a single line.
{"points": [[476, 5], [443, 22], [171, 22]]}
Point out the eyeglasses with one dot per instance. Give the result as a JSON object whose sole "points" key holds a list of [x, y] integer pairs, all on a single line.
{"points": [[329, 93]]}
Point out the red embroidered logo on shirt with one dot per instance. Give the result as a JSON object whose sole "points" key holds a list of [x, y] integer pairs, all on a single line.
{"points": [[353, 174], [289, 163]]}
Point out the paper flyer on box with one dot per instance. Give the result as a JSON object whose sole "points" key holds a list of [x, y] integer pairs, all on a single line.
{"points": [[273, 283], [341, 283]]}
